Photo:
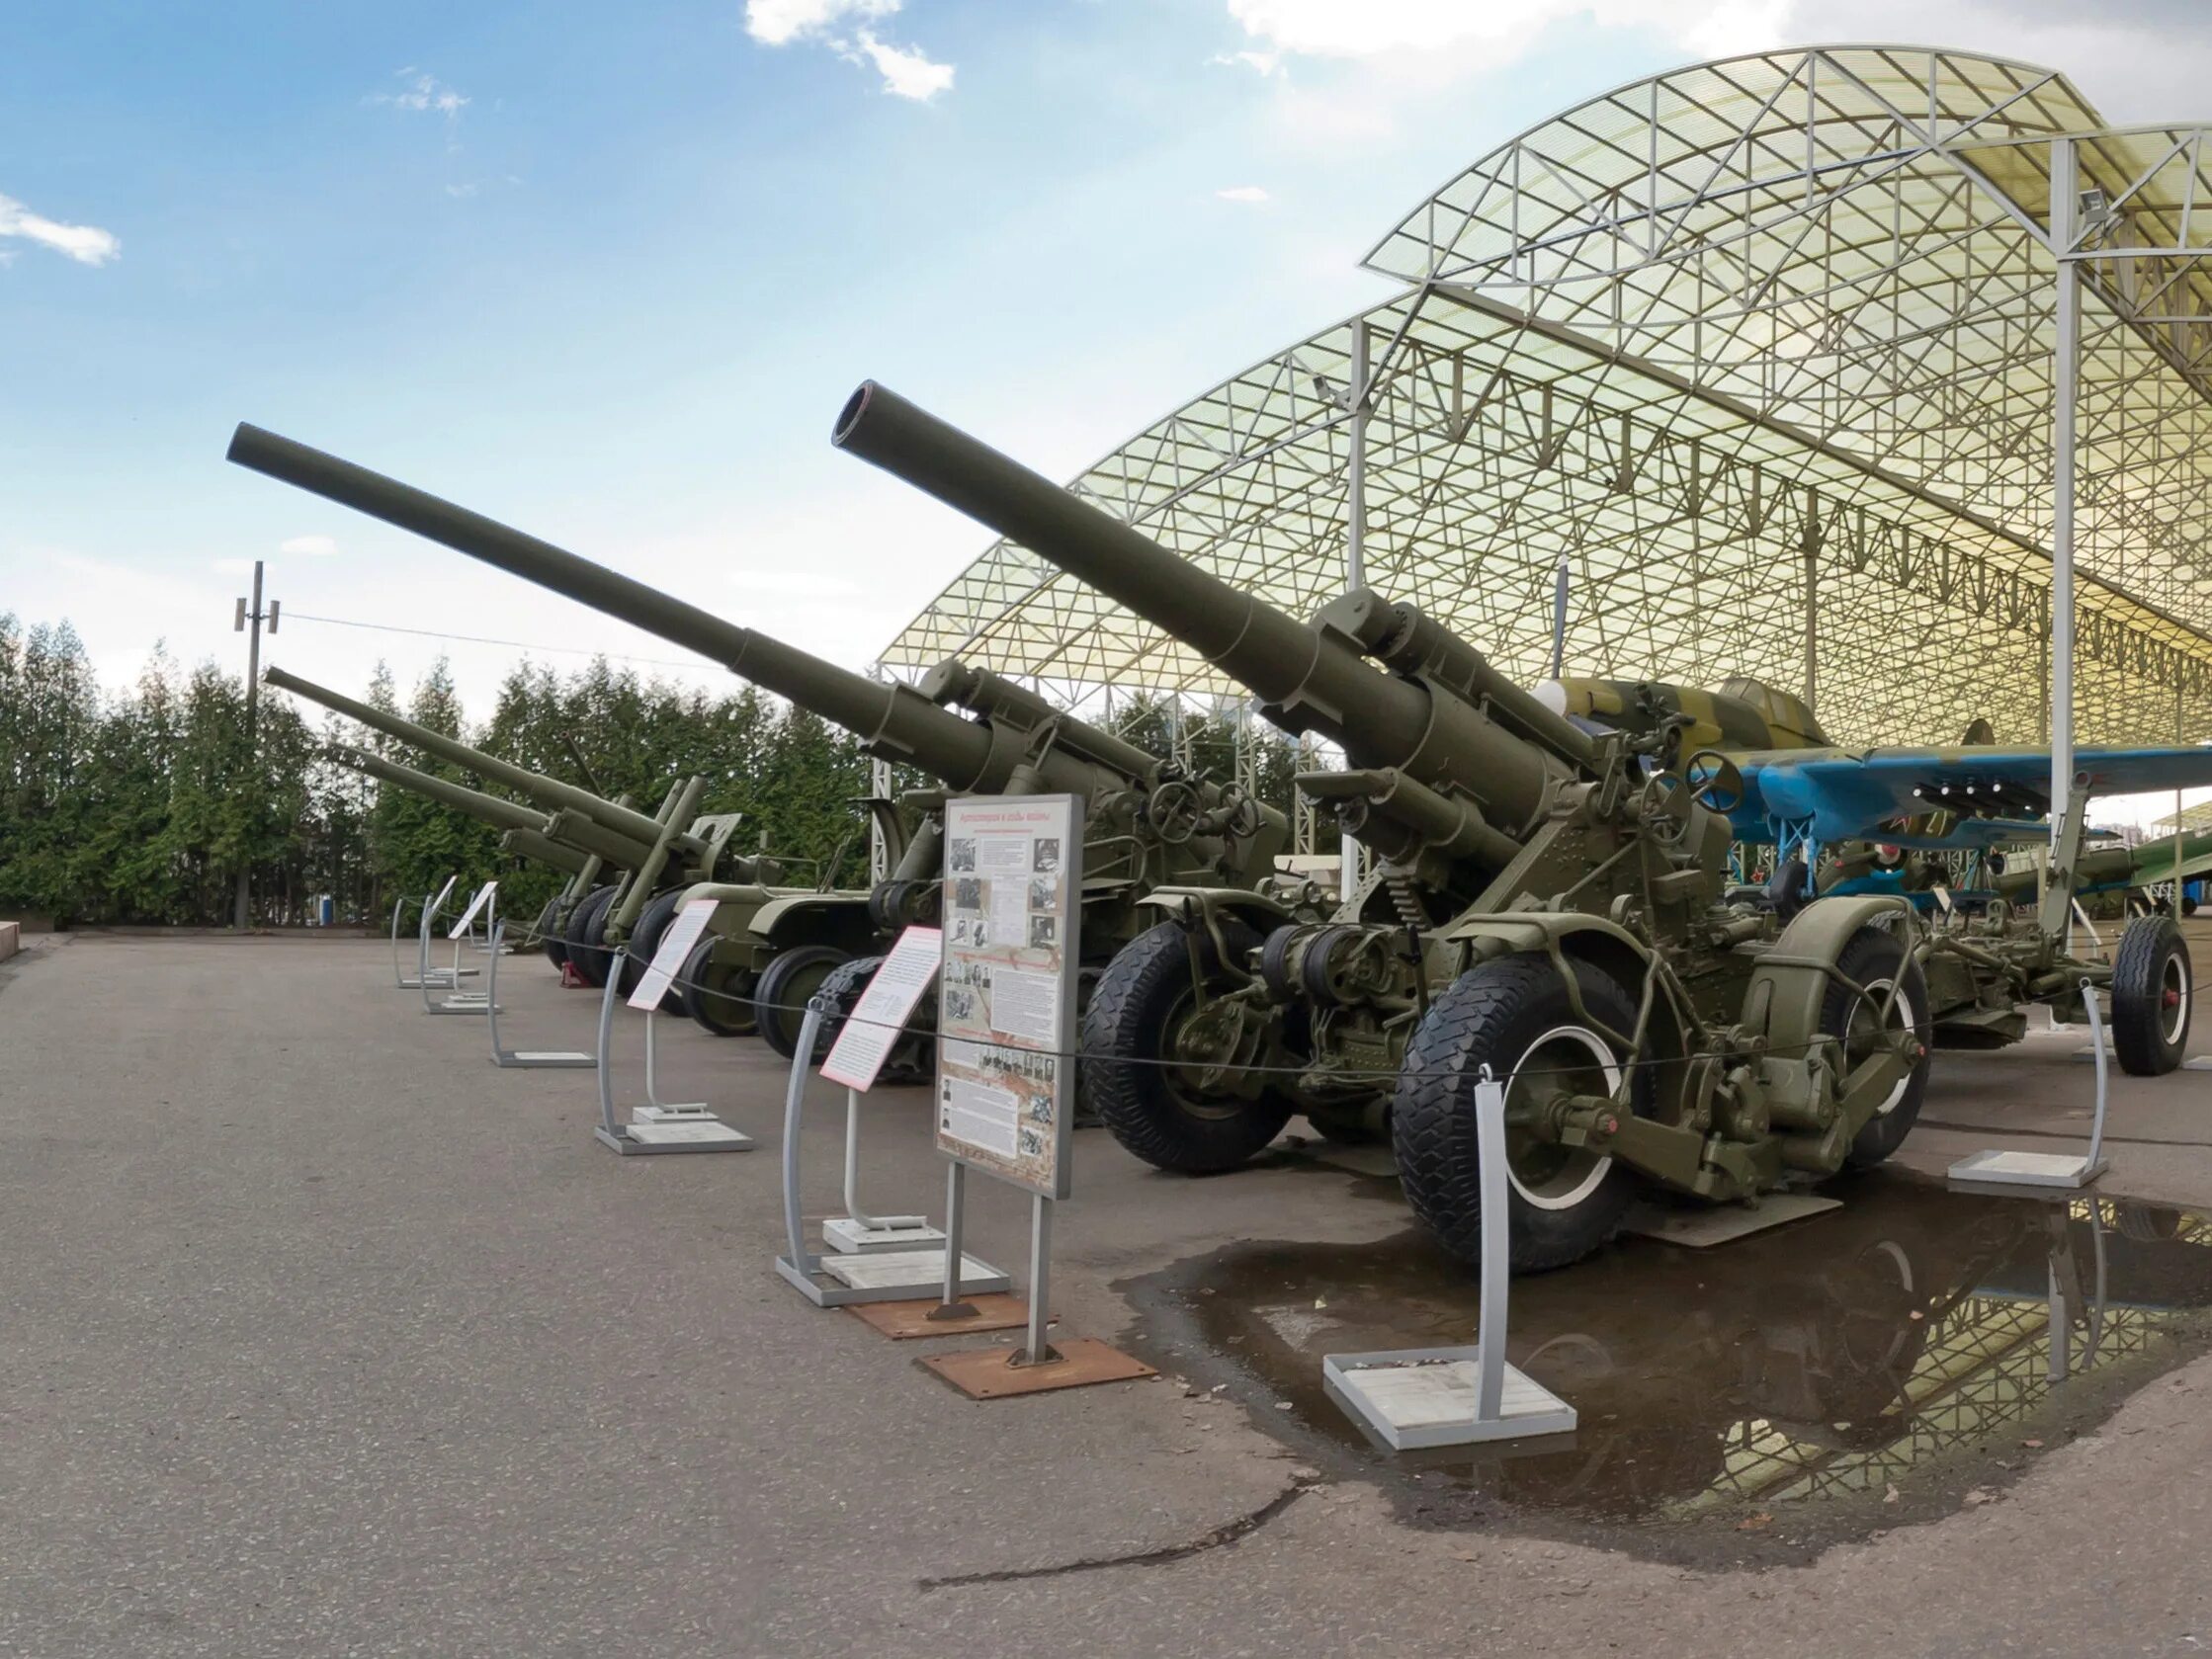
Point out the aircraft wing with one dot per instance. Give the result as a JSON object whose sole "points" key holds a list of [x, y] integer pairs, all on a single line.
{"points": [[1844, 792]]}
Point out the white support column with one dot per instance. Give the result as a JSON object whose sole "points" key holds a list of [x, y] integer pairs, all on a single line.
{"points": [[879, 853], [1355, 539], [2066, 377]]}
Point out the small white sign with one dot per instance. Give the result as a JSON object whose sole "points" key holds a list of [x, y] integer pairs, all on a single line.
{"points": [[675, 945], [444, 893], [484, 897], [877, 1019]]}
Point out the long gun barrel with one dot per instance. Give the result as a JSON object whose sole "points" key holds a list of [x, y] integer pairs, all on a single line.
{"points": [[630, 825], [895, 722], [569, 829], [1484, 737]]}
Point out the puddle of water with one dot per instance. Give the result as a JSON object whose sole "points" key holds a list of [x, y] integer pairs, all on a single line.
{"points": [[1864, 1367]]}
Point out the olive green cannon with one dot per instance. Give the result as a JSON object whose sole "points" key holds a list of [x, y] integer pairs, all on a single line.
{"points": [[974, 731], [652, 857], [1547, 913]]}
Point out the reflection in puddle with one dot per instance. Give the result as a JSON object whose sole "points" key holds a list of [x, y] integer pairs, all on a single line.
{"points": [[1832, 1358]]}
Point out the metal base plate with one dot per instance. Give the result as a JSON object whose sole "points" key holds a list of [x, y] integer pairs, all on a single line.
{"points": [[1701, 1229], [848, 1237], [1996, 1169], [455, 1005], [2200, 1062], [712, 1136], [542, 1059], [905, 1275], [906, 1321], [1418, 1397], [987, 1374], [696, 1113]]}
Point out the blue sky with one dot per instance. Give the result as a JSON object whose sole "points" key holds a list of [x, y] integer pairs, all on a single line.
{"points": [[609, 272]]}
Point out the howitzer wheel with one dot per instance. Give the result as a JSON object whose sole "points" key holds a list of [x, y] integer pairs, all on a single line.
{"points": [[718, 999], [586, 934], [1517, 1016], [1153, 1108], [644, 940], [1870, 959], [2154, 987], [786, 984], [548, 931]]}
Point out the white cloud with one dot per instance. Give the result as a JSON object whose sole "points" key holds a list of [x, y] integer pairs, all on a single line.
{"points": [[232, 566], [907, 72], [311, 547], [424, 93], [1243, 193], [87, 244], [778, 23], [1262, 63]]}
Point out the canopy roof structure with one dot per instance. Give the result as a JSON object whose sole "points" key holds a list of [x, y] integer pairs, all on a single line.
{"points": [[1763, 351]]}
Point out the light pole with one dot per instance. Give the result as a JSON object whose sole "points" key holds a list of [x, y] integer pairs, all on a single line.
{"points": [[247, 619]]}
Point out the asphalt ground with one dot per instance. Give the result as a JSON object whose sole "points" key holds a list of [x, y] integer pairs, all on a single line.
{"points": [[321, 1334]]}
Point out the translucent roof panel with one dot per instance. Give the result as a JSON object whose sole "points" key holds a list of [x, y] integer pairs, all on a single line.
{"points": [[1701, 338]]}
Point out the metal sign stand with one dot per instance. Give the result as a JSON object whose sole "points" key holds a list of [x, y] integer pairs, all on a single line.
{"points": [[1412, 1398], [1005, 1096], [441, 979], [1996, 1170], [525, 1060], [868, 1277], [856, 1060], [857, 1232], [656, 1126], [458, 1002]]}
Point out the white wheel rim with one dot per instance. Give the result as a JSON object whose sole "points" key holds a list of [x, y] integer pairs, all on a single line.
{"points": [[1568, 1188], [1902, 1017], [2174, 981]]}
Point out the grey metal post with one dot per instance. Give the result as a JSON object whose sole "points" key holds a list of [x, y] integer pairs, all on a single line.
{"points": [[795, 1107], [956, 1230], [1039, 1348], [2066, 375], [1811, 616], [1355, 539], [1490, 1316], [606, 1044]]}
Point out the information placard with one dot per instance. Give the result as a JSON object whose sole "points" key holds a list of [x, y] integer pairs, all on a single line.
{"points": [[484, 897], [444, 893], [668, 956], [860, 1047], [1006, 992]]}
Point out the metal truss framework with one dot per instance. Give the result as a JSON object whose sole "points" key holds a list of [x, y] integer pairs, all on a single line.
{"points": [[1764, 349]]}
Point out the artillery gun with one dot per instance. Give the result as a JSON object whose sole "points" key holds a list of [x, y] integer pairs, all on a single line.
{"points": [[523, 835], [1146, 824], [1548, 911], [657, 860]]}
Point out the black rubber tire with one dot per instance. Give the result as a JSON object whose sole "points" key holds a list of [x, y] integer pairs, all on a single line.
{"points": [[644, 940], [587, 931], [1492, 1015], [1124, 1032], [2139, 991], [1871, 957], [2189, 907], [786, 983], [724, 1010], [842, 989], [550, 941]]}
